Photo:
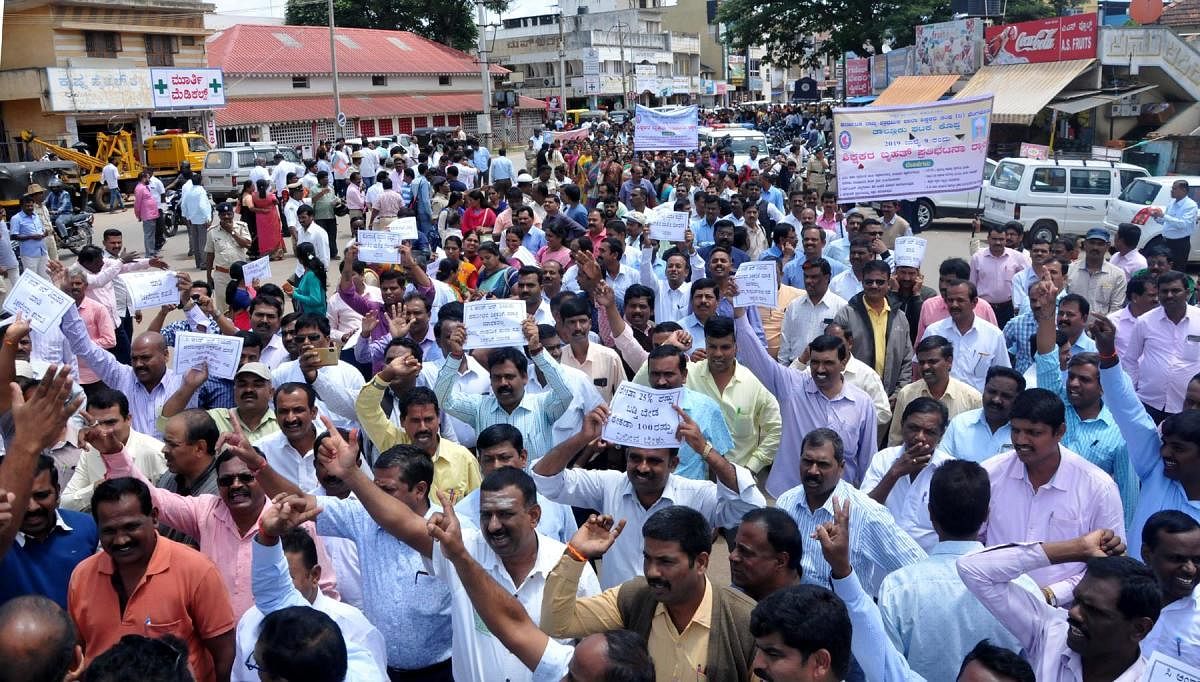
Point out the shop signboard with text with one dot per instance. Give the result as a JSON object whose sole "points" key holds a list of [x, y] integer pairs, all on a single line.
{"points": [[858, 77], [911, 150], [179, 88], [1043, 40]]}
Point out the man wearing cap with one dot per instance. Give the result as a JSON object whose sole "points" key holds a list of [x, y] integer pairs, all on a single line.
{"points": [[226, 244], [30, 232], [1094, 278]]}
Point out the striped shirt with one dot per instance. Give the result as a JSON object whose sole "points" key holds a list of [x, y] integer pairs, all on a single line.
{"points": [[877, 545], [1017, 333], [1098, 440], [144, 405], [534, 416]]}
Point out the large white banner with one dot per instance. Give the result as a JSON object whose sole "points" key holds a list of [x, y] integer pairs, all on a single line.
{"points": [[668, 130], [909, 151]]}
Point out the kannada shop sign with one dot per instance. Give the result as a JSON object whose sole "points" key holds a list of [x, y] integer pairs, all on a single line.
{"points": [[897, 152], [858, 77], [1043, 40], [174, 88]]}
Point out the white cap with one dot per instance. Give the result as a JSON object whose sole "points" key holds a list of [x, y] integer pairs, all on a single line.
{"points": [[524, 177]]}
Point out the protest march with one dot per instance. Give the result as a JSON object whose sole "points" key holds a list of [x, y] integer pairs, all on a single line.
{"points": [[620, 405]]}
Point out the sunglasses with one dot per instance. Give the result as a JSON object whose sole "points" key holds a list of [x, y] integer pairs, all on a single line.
{"points": [[245, 478], [311, 338]]}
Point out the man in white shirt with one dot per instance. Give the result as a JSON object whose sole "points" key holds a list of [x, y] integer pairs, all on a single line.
{"points": [[508, 546], [259, 171], [585, 395], [1171, 548], [978, 344], [673, 292], [280, 173], [368, 164], [646, 485], [899, 476], [112, 177], [337, 385], [1179, 222], [806, 317]]}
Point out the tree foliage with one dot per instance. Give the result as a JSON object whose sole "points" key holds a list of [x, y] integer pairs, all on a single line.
{"points": [[784, 27], [451, 22]]}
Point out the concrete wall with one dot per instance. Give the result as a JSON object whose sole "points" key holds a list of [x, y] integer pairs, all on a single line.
{"points": [[238, 87], [27, 40]]}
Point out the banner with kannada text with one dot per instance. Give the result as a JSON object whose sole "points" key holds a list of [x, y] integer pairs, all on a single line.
{"points": [[668, 130], [909, 151]]}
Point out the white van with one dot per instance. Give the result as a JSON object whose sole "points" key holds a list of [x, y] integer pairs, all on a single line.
{"points": [[737, 138], [1053, 197]]}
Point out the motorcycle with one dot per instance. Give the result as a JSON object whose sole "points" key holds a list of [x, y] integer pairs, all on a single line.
{"points": [[79, 232], [172, 216]]}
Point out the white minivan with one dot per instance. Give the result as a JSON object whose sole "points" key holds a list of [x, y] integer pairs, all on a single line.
{"points": [[1053, 197], [1136, 200]]}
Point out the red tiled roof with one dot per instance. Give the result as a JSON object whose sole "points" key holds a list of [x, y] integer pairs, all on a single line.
{"points": [[255, 49], [239, 112], [1184, 13]]}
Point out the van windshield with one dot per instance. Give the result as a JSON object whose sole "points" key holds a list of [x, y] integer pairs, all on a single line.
{"points": [[1008, 175]]}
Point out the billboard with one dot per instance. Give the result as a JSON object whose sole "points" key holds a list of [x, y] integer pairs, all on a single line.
{"points": [[914, 150], [737, 69], [88, 89], [858, 77], [1043, 40], [900, 63], [950, 47]]}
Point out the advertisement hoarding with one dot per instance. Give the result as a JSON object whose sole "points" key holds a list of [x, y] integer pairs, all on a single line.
{"points": [[949, 47], [1043, 40], [858, 77]]}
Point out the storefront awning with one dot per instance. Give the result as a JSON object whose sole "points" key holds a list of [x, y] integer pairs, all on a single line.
{"points": [[1078, 104], [915, 90], [1022, 90]]}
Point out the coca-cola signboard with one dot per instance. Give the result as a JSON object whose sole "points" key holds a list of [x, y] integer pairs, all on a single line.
{"points": [[1044, 40]]}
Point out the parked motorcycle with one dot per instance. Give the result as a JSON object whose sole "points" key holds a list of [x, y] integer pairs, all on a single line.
{"points": [[172, 217], [79, 232]]}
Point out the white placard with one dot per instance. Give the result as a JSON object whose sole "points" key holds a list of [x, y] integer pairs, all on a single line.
{"points": [[197, 318], [42, 303], [257, 269], [151, 289], [909, 252], [1162, 668], [405, 227], [221, 353], [670, 226], [494, 324], [757, 284], [643, 417], [379, 246]]}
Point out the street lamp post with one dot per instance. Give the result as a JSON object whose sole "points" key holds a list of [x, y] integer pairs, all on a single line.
{"points": [[337, 99], [620, 26]]}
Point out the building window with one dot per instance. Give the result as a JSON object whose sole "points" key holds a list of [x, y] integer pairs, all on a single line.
{"points": [[379, 81], [299, 82], [160, 50], [102, 44], [189, 41], [443, 80]]}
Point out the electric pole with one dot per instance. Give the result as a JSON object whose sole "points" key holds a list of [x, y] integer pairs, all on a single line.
{"points": [[339, 126]]}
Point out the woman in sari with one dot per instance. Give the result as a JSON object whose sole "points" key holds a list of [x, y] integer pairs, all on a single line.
{"points": [[496, 277], [266, 216]]}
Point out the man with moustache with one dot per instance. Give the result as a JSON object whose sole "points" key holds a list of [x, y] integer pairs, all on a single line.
{"points": [[766, 554], [291, 450], [41, 544], [143, 584], [935, 355], [249, 391], [601, 365], [682, 265], [648, 484], [691, 627], [223, 524], [980, 433], [508, 545], [978, 344], [336, 386], [266, 315]]}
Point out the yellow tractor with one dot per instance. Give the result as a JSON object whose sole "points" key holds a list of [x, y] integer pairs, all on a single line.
{"points": [[164, 154]]}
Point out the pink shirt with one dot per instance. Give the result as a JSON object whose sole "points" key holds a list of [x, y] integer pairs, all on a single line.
{"points": [[1078, 499], [101, 285], [1041, 629], [145, 204], [207, 519], [354, 198], [1130, 262], [934, 309], [993, 275], [1163, 357], [102, 330]]}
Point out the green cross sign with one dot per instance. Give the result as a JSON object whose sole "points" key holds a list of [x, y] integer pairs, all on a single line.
{"points": [[215, 86], [161, 86]]}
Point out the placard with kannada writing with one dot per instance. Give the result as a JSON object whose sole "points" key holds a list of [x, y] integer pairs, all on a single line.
{"points": [[494, 324], [643, 417]]}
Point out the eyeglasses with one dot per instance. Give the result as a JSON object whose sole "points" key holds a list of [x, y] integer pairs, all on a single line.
{"points": [[311, 338], [245, 478], [252, 664]]}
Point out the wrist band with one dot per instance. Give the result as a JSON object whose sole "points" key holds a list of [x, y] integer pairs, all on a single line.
{"points": [[263, 533], [575, 554]]}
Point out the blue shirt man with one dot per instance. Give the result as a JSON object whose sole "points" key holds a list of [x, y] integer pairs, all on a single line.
{"points": [[50, 543], [481, 158], [501, 168], [27, 223]]}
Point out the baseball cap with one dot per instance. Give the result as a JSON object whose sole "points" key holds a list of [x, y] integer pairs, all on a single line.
{"points": [[524, 177], [1098, 233], [258, 369], [636, 216]]}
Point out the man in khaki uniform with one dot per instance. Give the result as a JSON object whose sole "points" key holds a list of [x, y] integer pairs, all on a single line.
{"points": [[226, 244]]}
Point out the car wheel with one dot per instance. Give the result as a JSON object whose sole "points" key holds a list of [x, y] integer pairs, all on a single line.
{"points": [[1042, 229], [926, 212]]}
